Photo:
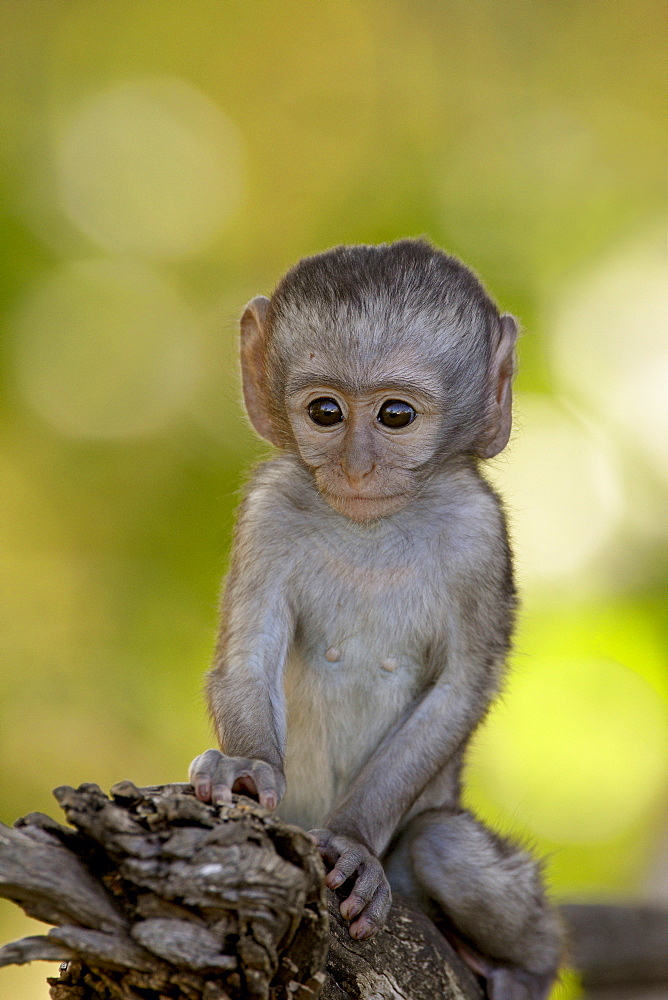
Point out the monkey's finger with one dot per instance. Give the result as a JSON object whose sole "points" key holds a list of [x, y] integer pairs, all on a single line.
{"points": [[266, 784], [201, 772], [344, 855], [202, 786], [374, 914], [221, 793], [227, 772], [367, 885], [352, 906], [322, 840], [347, 864]]}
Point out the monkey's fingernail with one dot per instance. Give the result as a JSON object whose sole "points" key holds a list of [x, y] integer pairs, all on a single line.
{"points": [[350, 908], [334, 879], [221, 794], [203, 791], [268, 801], [361, 930]]}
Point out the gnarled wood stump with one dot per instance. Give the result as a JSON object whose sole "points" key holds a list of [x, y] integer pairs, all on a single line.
{"points": [[157, 896]]}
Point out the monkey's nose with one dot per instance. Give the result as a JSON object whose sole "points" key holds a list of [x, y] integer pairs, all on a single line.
{"points": [[356, 478]]}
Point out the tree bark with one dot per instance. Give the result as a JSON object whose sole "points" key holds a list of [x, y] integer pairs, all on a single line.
{"points": [[156, 896]]}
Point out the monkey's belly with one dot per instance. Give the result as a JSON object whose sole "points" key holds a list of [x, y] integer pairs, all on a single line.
{"points": [[331, 732]]}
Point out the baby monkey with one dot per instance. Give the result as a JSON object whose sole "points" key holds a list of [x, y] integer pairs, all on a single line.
{"points": [[369, 608]]}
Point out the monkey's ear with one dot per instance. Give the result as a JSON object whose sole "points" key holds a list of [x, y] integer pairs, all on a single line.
{"points": [[500, 408], [253, 374]]}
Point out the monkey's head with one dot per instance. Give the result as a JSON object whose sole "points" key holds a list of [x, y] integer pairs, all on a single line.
{"points": [[376, 364]]}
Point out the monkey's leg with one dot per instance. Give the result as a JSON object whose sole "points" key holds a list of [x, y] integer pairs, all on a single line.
{"points": [[492, 892]]}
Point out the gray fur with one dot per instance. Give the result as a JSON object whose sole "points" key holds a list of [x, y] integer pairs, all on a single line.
{"points": [[361, 308], [369, 609]]}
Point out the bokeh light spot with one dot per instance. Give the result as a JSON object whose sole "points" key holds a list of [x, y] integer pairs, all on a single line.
{"points": [[599, 739], [150, 167], [106, 349], [562, 489], [610, 343]]}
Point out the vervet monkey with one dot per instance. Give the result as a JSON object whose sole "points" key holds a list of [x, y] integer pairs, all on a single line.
{"points": [[368, 611]]}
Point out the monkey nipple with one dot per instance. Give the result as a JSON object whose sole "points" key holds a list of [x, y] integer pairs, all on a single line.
{"points": [[390, 664], [333, 654]]}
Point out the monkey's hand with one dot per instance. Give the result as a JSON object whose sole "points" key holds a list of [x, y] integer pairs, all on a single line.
{"points": [[215, 776], [371, 896]]}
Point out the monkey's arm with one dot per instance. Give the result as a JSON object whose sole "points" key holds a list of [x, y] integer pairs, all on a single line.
{"points": [[364, 820], [415, 751], [244, 687], [467, 658]]}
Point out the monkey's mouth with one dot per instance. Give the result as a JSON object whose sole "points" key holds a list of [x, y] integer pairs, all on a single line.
{"points": [[360, 497], [363, 507]]}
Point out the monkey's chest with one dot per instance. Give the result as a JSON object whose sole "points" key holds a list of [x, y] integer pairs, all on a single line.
{"points": [[360, 623], [356, 667]]}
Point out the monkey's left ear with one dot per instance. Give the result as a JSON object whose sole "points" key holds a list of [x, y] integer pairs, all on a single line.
{"points": [[500, 405], [253, 373]]}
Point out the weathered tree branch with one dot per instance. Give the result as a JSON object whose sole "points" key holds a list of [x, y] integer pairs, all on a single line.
{"points": [[157, 895]]}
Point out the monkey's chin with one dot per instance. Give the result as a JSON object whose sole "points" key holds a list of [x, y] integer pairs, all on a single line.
{"points": [[363, 509]]}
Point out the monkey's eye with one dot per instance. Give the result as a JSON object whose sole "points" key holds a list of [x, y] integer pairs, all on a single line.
{"points": [[395, 413], [325, 412]]}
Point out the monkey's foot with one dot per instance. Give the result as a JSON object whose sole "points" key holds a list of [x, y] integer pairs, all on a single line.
{"points": [[503, 982]]}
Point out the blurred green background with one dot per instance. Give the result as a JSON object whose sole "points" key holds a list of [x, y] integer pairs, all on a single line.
{"points": [[161, 163]]}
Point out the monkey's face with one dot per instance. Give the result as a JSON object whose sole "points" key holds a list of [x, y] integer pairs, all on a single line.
{"points": [[365, 448], [378, 364]]}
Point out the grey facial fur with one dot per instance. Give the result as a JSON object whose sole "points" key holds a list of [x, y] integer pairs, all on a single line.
{"points": [[369, 609]]}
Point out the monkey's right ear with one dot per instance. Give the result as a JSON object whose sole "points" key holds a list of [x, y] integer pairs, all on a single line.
{"points": [[253, 372], [500, 403]]}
